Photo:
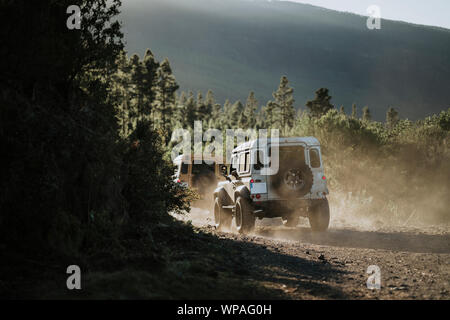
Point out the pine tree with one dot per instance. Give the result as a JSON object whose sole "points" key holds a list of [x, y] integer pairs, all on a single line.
{"points": [[284, 100], [216, 118], [136, 75], [260, 119], [204, 107], [270, 115], [165, 99], [366, 116], [180, 109], [250, 111], [391, 118], [144, 79], [243, 120], [226, 115], [190, 111], [199, 107], [214, 109], [321, 103], [149, 81], [235, 114], [354, 111], [120, 91], [181, 99]]}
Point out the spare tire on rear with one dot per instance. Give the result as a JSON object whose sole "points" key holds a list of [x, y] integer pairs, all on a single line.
{"points": [[295, 181]]}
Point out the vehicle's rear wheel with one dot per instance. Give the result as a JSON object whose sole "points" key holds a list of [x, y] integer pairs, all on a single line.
{"points": [[245, 220], [291, 221], [319, 215], [222, 217]]}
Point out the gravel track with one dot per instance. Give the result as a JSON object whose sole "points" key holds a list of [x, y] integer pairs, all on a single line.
{"points": [[414, 262]]}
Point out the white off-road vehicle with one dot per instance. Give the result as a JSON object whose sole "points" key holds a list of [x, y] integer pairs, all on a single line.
{"points": [[298, 188]]}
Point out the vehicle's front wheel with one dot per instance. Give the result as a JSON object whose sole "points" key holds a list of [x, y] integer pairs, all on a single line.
{"points": [[245, 220], [222, 217], [319, 215]]}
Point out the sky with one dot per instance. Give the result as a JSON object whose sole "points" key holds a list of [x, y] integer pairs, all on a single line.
{"points": [[427, 12]]}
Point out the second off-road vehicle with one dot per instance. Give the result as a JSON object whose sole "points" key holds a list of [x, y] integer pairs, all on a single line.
{"points": [[251, 191], [201, 177]]}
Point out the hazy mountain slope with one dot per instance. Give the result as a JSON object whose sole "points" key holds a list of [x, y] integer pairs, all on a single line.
{"points": [[234, 46]]}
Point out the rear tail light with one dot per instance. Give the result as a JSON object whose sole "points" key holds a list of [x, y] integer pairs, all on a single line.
{"points": [[258, 196], [324, 178], [178, 181]]}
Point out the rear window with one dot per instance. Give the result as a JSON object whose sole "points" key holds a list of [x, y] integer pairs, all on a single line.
{"points": [[292, 156], [203, 168], [314, 158], [247, 162], [242, 162]]}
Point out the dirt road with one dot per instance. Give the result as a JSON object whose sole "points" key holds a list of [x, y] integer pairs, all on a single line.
{"points": [[414, 263]]}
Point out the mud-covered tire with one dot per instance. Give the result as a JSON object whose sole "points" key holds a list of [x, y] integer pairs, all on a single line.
{"points": [[319, 216], [245, 220], [291, 222], [222, 217]]}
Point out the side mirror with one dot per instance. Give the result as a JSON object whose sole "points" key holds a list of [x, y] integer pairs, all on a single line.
{"points": [[224, 170]]}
